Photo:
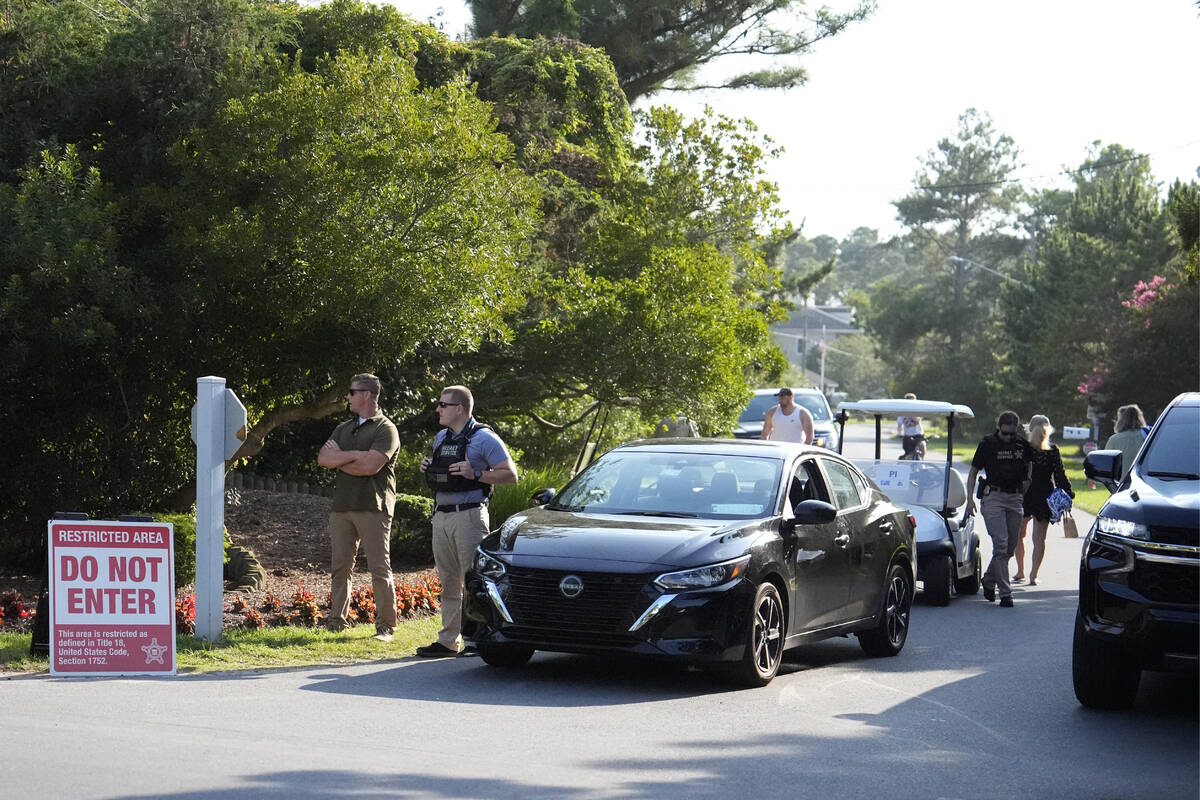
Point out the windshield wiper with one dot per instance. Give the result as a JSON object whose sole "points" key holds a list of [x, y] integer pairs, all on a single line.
{"points": [[679, 514], [1187, 476], [555, 507]]}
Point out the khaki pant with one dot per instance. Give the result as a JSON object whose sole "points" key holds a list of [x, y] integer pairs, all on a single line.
{"points": [[373, 529], [1002, 514], [456, 534]]}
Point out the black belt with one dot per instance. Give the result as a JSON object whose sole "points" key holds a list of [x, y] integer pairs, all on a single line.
{"points": [[458, 506]]}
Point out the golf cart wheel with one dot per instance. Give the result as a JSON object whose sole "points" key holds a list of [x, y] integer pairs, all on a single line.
{"points": [[938, 574], [970, 584]]}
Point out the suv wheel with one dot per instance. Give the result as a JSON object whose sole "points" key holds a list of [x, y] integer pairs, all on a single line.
{"points": [[891, 629], [938, 573], [1104, 676], [970, 584]]}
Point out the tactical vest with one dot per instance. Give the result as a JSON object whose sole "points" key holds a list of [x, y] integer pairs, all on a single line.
{"points": [[452, 450]]}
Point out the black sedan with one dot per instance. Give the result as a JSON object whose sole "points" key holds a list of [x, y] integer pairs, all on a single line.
{"points": [[719, 552]]}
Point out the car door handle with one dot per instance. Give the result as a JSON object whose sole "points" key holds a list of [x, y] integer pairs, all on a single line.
{"points": [[842, 541]]}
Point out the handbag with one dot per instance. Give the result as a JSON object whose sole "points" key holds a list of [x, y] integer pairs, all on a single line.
{"points": [[1059, 503], [1070, 530]]}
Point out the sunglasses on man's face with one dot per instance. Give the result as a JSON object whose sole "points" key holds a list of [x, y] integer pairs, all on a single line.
{"points": [[442, 404], [1007, 434]]}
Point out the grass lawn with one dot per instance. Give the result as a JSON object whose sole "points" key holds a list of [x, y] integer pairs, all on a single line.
{"points": [[244, 648]]}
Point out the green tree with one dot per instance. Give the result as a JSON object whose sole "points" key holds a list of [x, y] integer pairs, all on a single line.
{"points": [[935, 320], [663, 44], [1111, 234]]}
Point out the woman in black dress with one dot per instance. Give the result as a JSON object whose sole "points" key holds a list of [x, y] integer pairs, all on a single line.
{"points": [[1048, 474]]}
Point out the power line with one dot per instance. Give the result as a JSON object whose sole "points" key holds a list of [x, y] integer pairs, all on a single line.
{"points": [[1097, 166]]}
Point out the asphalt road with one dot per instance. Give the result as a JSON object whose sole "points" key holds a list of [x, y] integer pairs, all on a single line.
{"points": [[979, 704]]}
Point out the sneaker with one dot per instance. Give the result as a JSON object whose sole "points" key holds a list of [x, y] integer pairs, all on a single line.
{"points": [[1006, 602], [435, 650], [468, 651], [989, 592], [382, 636]]}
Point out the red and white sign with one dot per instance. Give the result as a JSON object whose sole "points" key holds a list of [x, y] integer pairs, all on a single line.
{"points": [[112, 598]]}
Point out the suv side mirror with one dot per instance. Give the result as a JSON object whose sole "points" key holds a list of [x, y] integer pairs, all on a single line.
{"points": [[1104, 466], [543, 496], [814, 512]]}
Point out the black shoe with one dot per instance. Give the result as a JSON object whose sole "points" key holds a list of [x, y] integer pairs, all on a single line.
{"points": [[1006, 602], [435, 650], [989, 593], [468, 651]]}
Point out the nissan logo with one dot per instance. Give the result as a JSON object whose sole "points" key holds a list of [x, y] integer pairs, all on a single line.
{"points": [[571, 586]]}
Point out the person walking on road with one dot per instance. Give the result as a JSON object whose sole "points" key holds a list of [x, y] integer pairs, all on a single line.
{"points": [[912, 433], [1007, 459], [788, 422], [363, 451], [1047, 475], [468, 460]]}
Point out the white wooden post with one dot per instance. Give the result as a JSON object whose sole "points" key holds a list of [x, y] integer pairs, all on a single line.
{"points": [[208, 424], [218, 428]]}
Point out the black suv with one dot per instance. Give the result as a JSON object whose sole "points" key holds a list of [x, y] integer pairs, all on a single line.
{"points": [[1139, 578]]}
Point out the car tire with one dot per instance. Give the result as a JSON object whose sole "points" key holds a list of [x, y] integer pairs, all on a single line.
{"points": [[1105, 677], [970, 584], [891, 629], [765, 634], [938, 574], [503, 654]]}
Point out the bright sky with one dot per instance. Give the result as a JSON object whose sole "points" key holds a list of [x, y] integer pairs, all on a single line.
{"points": [[1055, 75]]}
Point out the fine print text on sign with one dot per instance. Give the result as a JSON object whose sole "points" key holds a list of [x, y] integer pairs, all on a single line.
{"points": [[112, 598]]}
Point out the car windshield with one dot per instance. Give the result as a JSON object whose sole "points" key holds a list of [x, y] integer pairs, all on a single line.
{"points": [[709, 485], [757, 410], [1175, 451]]}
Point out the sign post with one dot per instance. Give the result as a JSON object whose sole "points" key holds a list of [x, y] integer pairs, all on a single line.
{"points": [[112, 594], [218, 429]]}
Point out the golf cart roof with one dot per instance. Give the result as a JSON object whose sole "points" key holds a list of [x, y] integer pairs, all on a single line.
{"points": [[894, 407]]}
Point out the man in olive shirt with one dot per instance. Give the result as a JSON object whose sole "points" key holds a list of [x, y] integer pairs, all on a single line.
{"points": [[363, 451]]}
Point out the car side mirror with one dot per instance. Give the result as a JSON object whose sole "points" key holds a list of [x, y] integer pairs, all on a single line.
{"points": [[814, 512], [1104, 466], [543, 496]]}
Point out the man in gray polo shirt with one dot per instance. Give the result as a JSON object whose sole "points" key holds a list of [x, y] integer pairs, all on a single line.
{"points": [[363, 451], [468, 460]]}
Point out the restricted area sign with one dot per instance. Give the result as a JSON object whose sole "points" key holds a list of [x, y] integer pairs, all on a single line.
{"points": [[112, 598]]}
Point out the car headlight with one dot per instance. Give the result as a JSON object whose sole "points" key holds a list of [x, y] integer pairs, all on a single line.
{"points": [[487, 566], [704, 577], [819, 441], [1122, 527]]}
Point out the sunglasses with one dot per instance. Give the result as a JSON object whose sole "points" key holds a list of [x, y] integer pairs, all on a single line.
{"points": [[352, 391], [443, 405], [1007, 434]]}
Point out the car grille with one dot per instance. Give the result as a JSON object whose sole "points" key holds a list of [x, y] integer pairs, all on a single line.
{"points": [[605, 606], [1164, 534], [1167, 583]]}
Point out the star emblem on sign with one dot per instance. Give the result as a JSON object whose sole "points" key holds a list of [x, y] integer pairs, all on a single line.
{"points": [[154, 651]]}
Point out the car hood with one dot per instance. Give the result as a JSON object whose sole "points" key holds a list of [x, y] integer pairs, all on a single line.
{"points": [[1156, 501], [614, 541]]}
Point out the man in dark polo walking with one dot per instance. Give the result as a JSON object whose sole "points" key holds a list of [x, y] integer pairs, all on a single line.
{"points": [[468, 460], [363, 451]]}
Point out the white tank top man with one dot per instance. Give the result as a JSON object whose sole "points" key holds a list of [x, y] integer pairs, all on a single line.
{"points": [[788, 422]]}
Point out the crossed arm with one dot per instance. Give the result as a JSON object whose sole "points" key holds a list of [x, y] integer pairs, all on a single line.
{"points": [[351, 462]]}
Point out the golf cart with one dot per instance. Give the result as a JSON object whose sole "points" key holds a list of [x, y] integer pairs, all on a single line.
{"points": [[948, 558]]}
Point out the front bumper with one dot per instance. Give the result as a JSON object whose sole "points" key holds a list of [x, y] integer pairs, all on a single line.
{"points": [[1142, 598], [525, 606]]}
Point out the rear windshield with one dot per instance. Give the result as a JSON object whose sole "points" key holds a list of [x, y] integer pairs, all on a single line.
{"points": [[757, 410], [1175, 449]]}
